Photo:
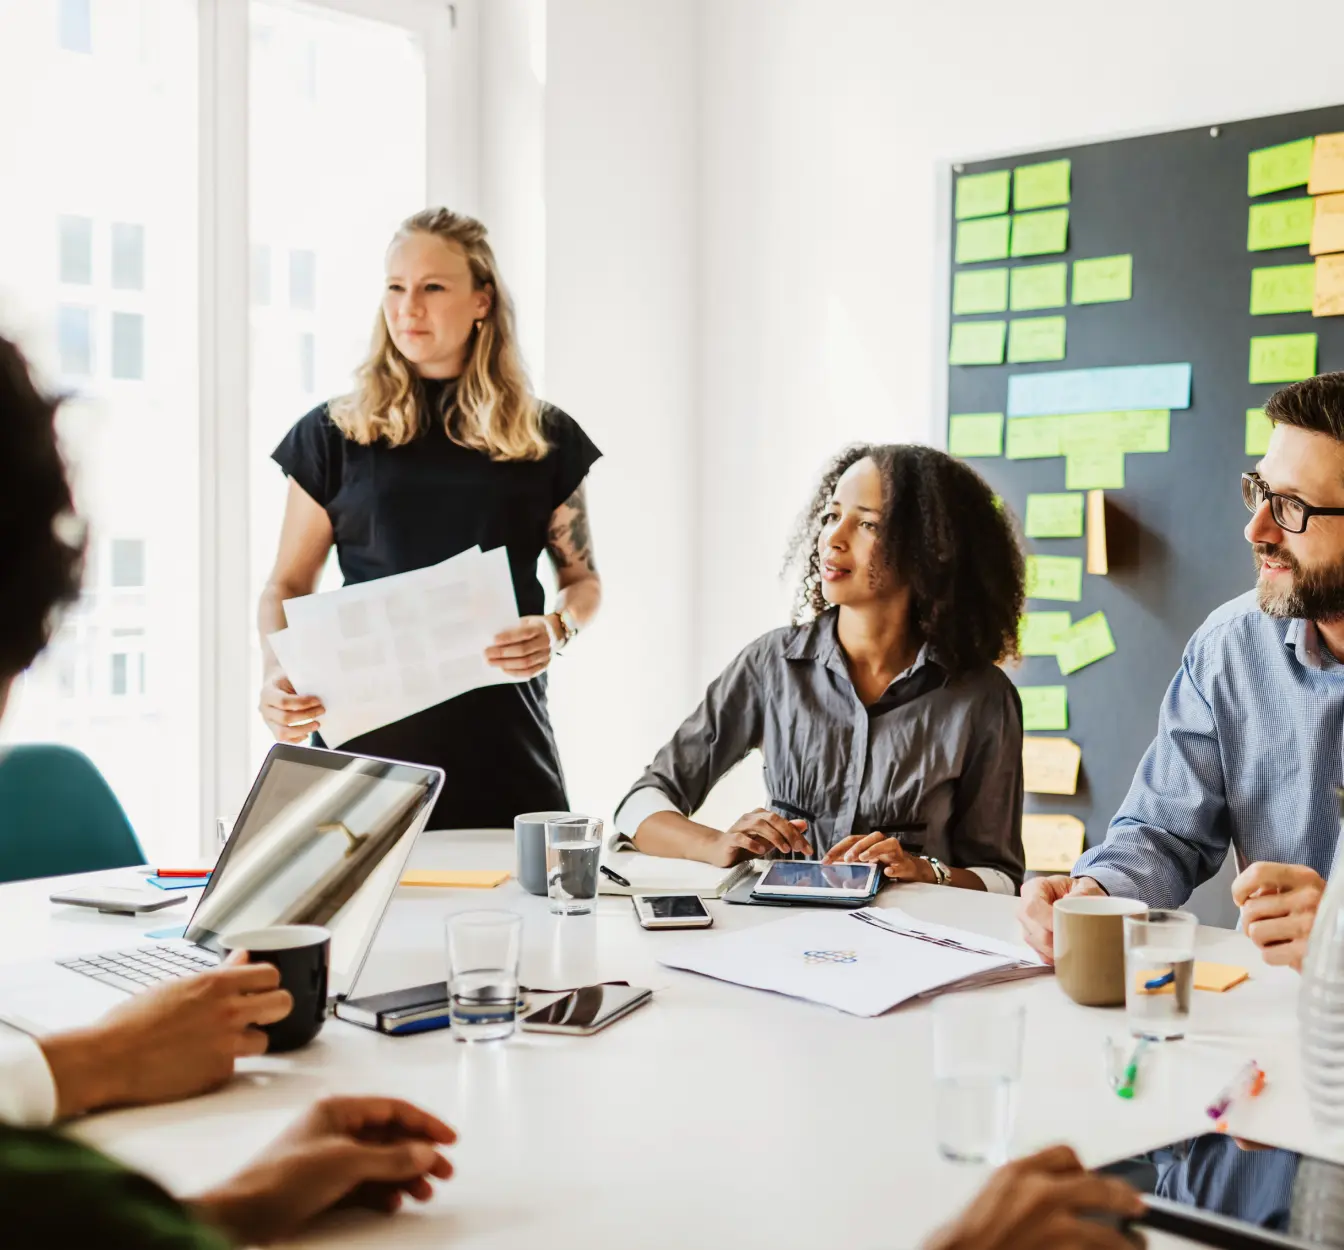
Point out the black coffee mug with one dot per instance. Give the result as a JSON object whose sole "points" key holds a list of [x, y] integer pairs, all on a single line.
{"points": [[302, 953]]}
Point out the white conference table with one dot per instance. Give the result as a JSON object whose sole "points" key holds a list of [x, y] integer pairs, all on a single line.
{"points": [[716, 1115]]}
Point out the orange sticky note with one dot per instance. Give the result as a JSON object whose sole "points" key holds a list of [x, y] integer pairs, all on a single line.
{"points": [[1327, 226], [1215, 977], [471, 879]]}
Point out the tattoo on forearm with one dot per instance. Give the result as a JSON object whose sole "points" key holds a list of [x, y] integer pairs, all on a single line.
{"points": [[569, 539]]}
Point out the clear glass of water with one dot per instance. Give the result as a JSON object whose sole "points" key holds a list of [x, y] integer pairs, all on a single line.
{"points": [[977, 1065], [483, 952], [1159, 973], [573, 850]]}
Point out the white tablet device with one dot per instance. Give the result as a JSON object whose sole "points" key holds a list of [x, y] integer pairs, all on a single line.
{"points": [[787, 878]]}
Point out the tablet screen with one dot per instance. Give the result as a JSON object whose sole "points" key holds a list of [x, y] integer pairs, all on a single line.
{"points": [[1273, 1197], [808, 877]]}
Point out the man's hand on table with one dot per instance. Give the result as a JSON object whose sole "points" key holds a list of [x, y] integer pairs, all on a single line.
{"points": [[1278, 908], [176, 1040], [1036, 911], [1038, 1203], [343, 1152]]}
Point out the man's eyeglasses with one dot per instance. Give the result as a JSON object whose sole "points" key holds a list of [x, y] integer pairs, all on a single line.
{"points": [[1290, 514]]}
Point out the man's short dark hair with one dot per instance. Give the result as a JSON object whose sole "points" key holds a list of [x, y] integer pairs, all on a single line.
{"points": [[41, 545], [1316, 404]]}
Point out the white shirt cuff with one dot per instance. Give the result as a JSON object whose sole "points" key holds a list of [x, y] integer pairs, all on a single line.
{"points": [[27, 1088], [643, 803], [996, 882]]}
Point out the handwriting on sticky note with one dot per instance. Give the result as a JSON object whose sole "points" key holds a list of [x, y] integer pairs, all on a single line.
{"points": [[1035, 338], [1282, 357], [1087, 641], [1039, 632], [982, 195], [1098, 555], [1328, 298], [1327, 226], [1055, 577], [1044, 707], [985, 238], [977, 343], [1041, 184], [1282, 289], [1327, 165], [975, 434], [1054, 516], [1052, 843], [1102, 468], [1050, 765], [979, 291], [1281, 223], [1258, 429], [1039, 234], [1280, 167], [1103, 280], [1033, 438], [1038, 286]]}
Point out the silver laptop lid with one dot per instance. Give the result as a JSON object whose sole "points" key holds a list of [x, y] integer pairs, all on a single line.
{"points": [[322, 839]]}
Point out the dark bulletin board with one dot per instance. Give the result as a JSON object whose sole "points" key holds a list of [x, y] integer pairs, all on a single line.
{"points": [[1178, 204]]}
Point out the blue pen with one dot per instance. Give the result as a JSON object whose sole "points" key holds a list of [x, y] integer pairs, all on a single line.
{"points": [[1157, 983]]}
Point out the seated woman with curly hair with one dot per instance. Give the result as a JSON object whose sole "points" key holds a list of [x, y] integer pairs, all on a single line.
{"points": [[888, 732]]}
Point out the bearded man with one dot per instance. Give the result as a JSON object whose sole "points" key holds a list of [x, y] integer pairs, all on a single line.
{"points": [[1250, 735]]}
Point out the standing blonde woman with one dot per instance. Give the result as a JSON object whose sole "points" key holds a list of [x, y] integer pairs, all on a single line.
{"points": [[442, 447]]}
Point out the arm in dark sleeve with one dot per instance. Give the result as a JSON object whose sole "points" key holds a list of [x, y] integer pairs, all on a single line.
{"points": [[1171, 832], [573, 452], [717, 735], [308, 455], [986, 826]]}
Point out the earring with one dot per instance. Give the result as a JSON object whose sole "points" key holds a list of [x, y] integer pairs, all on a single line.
{"points": [[479, 324]]}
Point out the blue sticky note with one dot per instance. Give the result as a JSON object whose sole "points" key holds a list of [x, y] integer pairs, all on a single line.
{"points": [[164, 935], [179, 883], [1128, 388]]}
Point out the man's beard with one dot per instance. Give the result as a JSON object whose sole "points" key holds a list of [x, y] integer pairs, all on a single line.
{"points": [[1313, 595]]}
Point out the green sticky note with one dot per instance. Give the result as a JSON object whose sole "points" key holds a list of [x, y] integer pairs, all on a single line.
{"points": [[1148, 431], [1086, 642], [1281, 223], [1044, 707], [1039, 186], [975, 434], [1055, 577], [1101, 469], [1035, 338], [1282, 289], [1278, 168], [1103, 279], [1038, 234], [1054, 516], [1038, 286], [979, 291], [977, 343], [1258, 429], [1040, 632], [983, 195], [1033, 438], [1282, 357], [984, 239]]}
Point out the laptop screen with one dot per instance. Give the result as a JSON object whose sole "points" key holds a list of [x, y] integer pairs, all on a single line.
{"points": [[322, 839]]}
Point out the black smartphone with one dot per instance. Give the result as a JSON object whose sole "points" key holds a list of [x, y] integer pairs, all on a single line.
{"points": [[587, 1010]]}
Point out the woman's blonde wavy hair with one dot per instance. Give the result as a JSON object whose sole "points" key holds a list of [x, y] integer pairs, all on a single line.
{"points": [[493, 409]]}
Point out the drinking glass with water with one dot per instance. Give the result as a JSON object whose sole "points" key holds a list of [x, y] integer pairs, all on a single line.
{"points": [[977, 1064], [483, 952], [1159, 973], [573, 850]]}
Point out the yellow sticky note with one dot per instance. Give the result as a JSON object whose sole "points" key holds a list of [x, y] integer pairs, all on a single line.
{"points": [[462, 879], [1327, 165], [1258, 429], [1052, 843], [1215, 977], [1055, 577], [1039, 632], [1044, 707], [1328, 300], [1087, 641], [1098, 557], [1282, 357], [1050, 765], [1054, 516], [1032, 438], [1100, 469], [1327, 224]]}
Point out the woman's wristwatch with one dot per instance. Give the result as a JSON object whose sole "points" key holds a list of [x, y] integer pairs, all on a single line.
{"points": [[565, 629], [941, 874]]}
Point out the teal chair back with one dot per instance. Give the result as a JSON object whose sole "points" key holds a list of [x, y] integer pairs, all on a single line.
{"points": [[58, 815]]}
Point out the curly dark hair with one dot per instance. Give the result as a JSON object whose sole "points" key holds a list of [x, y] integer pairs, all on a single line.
{"points": [[943, 534], [41, 546]]}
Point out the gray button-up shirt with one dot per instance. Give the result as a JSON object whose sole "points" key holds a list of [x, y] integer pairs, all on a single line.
{"points": [[947, 754]]}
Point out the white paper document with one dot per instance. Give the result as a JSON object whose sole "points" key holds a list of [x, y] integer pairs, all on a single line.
{"points": [[864, 962], [383, 650]]}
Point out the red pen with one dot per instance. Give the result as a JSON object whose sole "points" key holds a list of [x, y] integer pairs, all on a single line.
{"points": [[183, 872]]}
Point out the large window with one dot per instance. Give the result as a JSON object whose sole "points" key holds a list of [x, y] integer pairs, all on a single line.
{"points": [[124, 275]]}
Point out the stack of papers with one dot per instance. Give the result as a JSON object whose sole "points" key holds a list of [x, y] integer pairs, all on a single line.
{"points": [[864, 962], [383, 650], [657, 874]]}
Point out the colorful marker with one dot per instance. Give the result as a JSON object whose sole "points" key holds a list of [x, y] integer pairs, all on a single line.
{"points": [[1248, 1083]]}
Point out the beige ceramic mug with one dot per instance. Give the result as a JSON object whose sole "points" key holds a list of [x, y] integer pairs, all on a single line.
{"points": [[1090, 947]]}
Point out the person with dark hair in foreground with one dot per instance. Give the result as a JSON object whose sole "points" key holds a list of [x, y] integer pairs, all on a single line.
{"points": [[175, 1040], [886, 726], [1247, 754]]}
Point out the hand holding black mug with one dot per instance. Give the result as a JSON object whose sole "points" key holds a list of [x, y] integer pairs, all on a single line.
{"points": [[302, 953]]}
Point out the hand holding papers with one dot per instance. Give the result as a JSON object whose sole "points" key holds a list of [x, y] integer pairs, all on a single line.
{"points": [[380, 651]]}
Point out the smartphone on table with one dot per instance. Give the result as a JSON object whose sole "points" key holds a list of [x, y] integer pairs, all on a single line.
{"points": [[671, 911]]}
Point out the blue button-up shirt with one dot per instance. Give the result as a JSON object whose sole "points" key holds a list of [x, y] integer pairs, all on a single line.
{"points": [[1247, 755]]}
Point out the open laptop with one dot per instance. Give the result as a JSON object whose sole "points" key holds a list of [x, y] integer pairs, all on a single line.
{"points": [[322, 839]]}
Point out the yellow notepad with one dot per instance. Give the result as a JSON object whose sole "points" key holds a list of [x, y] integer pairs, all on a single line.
{"points": [[1215, 977], [472, 879]]}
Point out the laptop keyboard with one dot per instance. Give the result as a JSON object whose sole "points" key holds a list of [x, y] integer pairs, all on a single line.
{"points": [[135, 970]]}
